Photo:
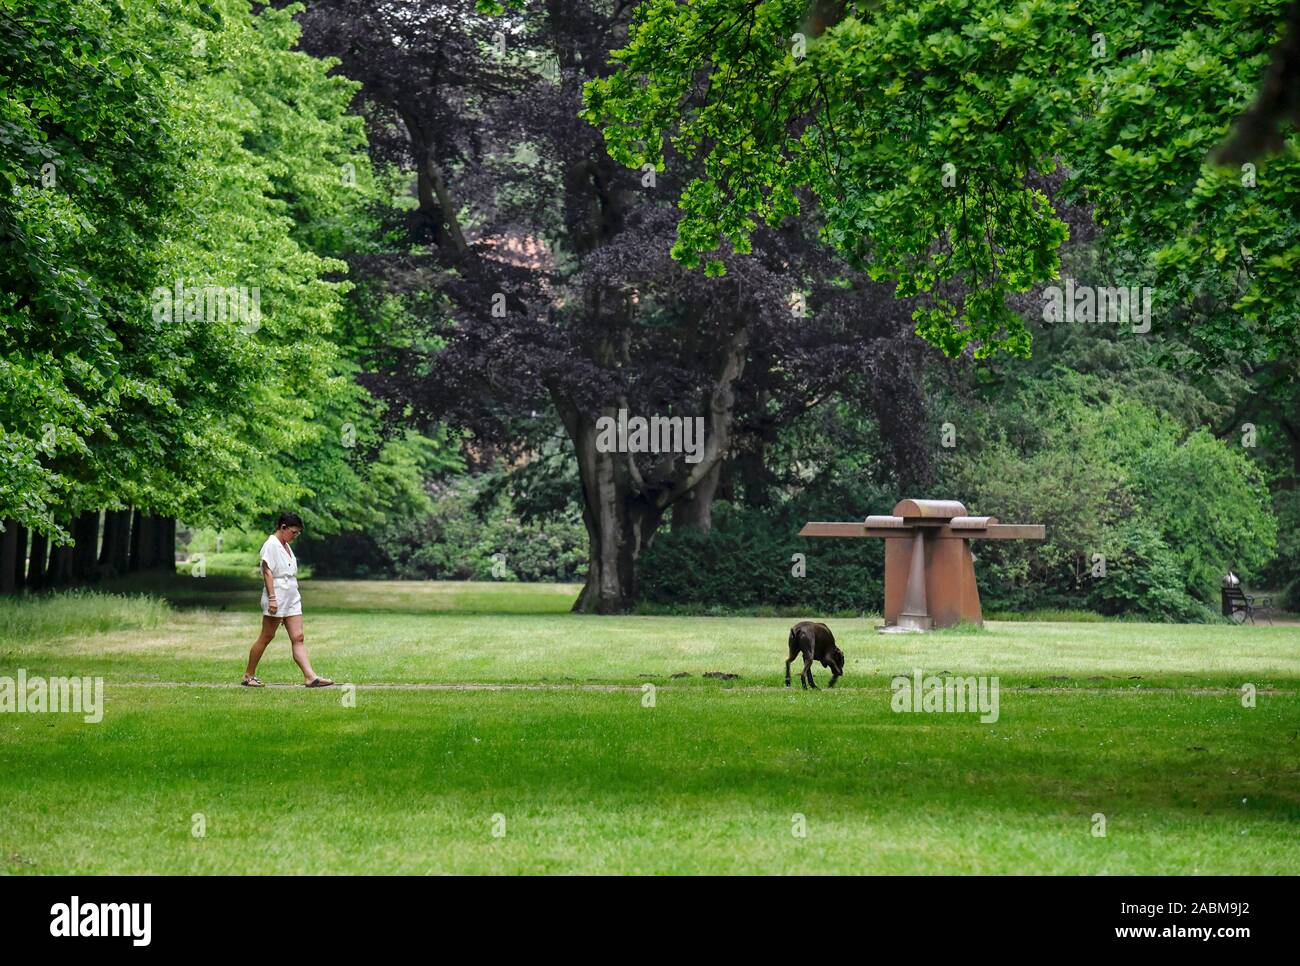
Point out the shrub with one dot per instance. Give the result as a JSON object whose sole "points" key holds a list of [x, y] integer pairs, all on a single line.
{"points": [[1290, 599], [748, 561], [1144, 578], [1121, 488], [1285, 571], [1208, 503]]}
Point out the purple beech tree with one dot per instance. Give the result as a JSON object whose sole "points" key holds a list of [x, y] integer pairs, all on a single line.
{"points": [[540, 270]]}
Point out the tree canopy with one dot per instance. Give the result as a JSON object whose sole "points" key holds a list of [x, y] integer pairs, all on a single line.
{"points": [[922, 130], [324, 255], [177, 181]]}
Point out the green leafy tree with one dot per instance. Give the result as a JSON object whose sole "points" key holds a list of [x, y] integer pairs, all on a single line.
{"points": [[177, 185], [1142, 514], [923, 131], [88, 143]]}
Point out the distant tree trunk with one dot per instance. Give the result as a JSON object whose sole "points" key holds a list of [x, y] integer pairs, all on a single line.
{"points": [[899, 405], [59, 572], [36, 560], [1292, 429], [436, 208], [85, 533], [114, 555], [144, 541], [165, 534], [20, 557], [1262, 129], [748, 473], [8, 556]]}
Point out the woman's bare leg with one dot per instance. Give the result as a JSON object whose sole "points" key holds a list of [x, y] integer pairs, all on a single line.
{"points": [[269, 625], [294, 627]]}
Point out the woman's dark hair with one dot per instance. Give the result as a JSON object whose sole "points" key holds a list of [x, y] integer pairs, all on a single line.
{"points": [[289, 520]]}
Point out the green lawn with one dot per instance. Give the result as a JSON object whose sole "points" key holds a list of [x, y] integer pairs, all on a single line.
{"points": [[1142, 723]]}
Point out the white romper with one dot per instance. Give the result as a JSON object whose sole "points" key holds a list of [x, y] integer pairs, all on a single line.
{"points": [[283, 565]]}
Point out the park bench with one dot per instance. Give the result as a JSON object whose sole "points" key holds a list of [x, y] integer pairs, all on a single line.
{"points": [[1239, 605]]}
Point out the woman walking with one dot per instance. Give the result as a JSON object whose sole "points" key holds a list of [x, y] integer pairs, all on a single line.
{"points": [[281, 602]]}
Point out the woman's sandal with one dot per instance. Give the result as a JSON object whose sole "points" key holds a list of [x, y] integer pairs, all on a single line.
{"points": [[319, 683], [252, 683]]}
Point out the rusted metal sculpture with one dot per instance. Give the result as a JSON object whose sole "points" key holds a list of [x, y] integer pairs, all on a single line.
{"points": [[929, 570]]}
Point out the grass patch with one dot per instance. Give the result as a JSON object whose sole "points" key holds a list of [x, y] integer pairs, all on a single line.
{"points": [[1047, 614], [421, 631], [960, 628], [652, 609], [77, 613], [1141, 722], [410, 782], [232, 564]]}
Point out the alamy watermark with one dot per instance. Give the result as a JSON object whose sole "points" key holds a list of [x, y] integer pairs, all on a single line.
{"points": [[932, 694], [658, 434], [211, 304], [38, 695], [73, 919], [1113, 305]]}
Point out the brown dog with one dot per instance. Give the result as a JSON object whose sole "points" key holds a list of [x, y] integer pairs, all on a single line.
{"points": [[816, 643]]}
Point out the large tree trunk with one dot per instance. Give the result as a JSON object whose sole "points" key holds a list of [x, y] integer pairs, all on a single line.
{"points": [[144, 541], [165, 534], [85, 534], [36, 561], [436, 207], [20, 557], [8, 556], [620, 522], [58, 572], [693, 493], [694, 511], [114, 555], [622, 507]]}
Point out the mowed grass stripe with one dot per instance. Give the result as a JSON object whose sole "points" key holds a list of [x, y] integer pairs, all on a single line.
{"points": [[702, 782], [399, 647], [539, 718]]}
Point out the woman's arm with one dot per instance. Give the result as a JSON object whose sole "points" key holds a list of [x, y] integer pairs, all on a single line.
{"points": [[271, 604]]}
